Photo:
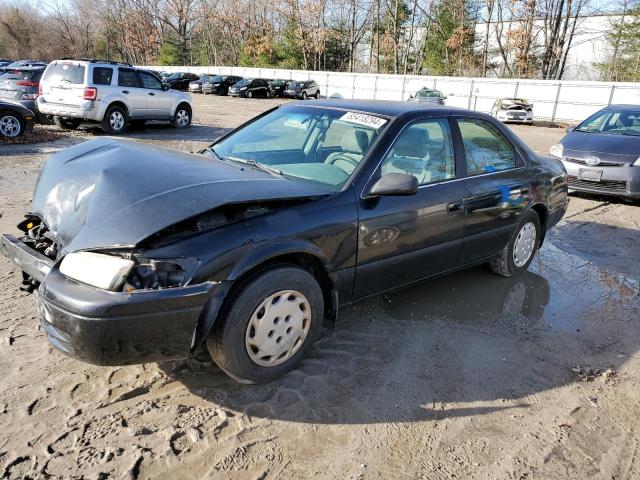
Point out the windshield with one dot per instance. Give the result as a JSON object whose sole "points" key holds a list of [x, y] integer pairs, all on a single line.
{"points": [[246, 81], [611, 122], [318, 145], [174, 76], [217, 79], [296, 85], [429, 93]]}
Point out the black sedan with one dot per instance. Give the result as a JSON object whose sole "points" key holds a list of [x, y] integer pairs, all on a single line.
{"points": [[180, 80], [602, 154], [15, 119], [220, 84], [249, 247], [278, 86], [251, 88]]}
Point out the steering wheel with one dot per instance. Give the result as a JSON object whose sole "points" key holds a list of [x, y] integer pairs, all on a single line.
{"points": [[340, 156]]}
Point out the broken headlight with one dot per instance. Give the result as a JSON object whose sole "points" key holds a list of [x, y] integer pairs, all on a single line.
{"points": [[96, 269], [152, 274]]}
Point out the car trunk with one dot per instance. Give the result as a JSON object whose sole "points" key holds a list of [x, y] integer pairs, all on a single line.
{"points": [[16, 83], [63, 83]]}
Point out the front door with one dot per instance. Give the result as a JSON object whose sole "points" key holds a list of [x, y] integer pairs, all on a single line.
{"points": [[158, 100], [402, 239], [499, 188], [131, 89]]}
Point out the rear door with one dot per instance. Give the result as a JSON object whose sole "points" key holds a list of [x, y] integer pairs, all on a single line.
{"points": [[130, 87], [63, 83], [158, 100], [402, 239], [499, 187]]}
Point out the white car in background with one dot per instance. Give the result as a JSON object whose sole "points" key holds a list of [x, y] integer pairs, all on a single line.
{"points": [[509, 109], [113, 94]]}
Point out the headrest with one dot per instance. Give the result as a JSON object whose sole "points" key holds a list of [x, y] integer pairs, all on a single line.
{"points": [[412, 143], [355, 141]]}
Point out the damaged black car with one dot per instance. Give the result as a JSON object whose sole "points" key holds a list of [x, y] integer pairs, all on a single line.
{"points": [[247, 248]]}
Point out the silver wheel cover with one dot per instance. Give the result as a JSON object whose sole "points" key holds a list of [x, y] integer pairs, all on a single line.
{"points": [[116, 120], [9, 126], [182, 118], [525, 244], [278, 328]]}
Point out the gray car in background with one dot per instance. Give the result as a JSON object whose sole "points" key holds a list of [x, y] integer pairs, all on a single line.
{"points": [[20, 84], [602, 154]]}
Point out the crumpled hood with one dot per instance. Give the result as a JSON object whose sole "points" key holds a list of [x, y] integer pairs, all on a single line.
{"points": [[114, 193], [621, 148]]}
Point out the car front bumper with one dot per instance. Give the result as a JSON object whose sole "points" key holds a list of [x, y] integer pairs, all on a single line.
{"points": [[503, 117], [622, 181], [88, 110], [114, 328]]}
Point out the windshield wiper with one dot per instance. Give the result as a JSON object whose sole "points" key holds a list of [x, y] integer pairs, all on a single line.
{"points": [[254, 164]]}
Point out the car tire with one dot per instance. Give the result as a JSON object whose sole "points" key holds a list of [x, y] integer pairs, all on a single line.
{"points": [[249, 94], [516, 257], [304, 95], [67, 123], [241, 336], [182, 117], [115, 120], [11, 124], [317, 95]]}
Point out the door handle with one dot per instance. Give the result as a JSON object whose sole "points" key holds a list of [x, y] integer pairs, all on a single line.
{"points": [[151, 93], [125, 91], [454, 207], [518, 191]]}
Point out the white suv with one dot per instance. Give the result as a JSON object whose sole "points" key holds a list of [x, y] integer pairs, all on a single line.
{"points": [[113, 94]]}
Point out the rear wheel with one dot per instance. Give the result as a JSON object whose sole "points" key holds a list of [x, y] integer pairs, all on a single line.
{"points": [[115, 120], [249, 94], [317, 95], [304, 95], [67, 123], [516, 257], [11, 125], [268, 325]]}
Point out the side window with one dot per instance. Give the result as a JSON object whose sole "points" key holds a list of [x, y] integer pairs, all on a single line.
{"points": [[102, 75], [149, 81], [128, 78], [486, 149], [424, 150]]}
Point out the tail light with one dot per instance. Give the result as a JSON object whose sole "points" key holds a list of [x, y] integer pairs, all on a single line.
{"points": [[40, 89], [27, 83], [90, 93]]}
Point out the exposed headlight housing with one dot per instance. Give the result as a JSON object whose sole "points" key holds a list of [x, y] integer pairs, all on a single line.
{"points": [[637, 162], [557, 150], [96, 269], [152, 274]]}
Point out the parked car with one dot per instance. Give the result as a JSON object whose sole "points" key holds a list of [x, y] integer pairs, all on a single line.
{"points": [[516, 110], [220, 84], [302, 90], [180, 80], [249, 247], [602, 154], [110, 93], [3, 63], [196, 85], [21, 85], [15, 119], [278, 86], [428, 95], [250, 87]]}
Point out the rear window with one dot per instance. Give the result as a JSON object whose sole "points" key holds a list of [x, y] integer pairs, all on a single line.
{"points": [[102, 75], [19, 75], [64, 72]]}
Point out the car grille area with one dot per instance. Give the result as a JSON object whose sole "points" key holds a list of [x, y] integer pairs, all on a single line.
{"points": [[581, 161], [604, 185]]}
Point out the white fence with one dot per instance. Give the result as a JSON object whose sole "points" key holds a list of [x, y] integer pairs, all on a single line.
{"points": [[552, 100]]}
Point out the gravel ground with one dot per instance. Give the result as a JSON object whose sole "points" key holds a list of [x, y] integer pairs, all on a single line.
{"points": [[466, 376]]}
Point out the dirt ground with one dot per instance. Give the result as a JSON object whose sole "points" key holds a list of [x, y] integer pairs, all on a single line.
{"points": [[467, 376]]}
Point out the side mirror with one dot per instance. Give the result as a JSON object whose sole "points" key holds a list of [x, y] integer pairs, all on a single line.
{"points": [[395, 184], [165, 86], [570, 129]]}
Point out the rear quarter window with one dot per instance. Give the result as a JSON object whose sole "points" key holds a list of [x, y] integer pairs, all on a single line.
{"points": [[64, 73], [102, 75]]}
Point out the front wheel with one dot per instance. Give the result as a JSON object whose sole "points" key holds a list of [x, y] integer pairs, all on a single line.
{"points": [[268, 325], [11, 125], [182, 117], [249, 94], [115, 121], [516, 257], [304, 95]]}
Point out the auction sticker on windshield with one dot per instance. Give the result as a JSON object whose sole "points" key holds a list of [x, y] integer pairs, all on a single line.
{"points": [[363, 119]]}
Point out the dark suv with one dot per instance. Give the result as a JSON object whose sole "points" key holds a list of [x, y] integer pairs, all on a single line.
{"points": [[278, 86], [251, 87], [303, 90], [219, 84], [181, 80], [20, 84]]}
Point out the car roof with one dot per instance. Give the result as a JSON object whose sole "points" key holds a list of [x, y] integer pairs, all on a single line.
{"points": [[27, 69], [387, 108], [623, 107]]}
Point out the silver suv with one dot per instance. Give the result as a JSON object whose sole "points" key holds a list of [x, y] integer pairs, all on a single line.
{"points": [[114, 94]]}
